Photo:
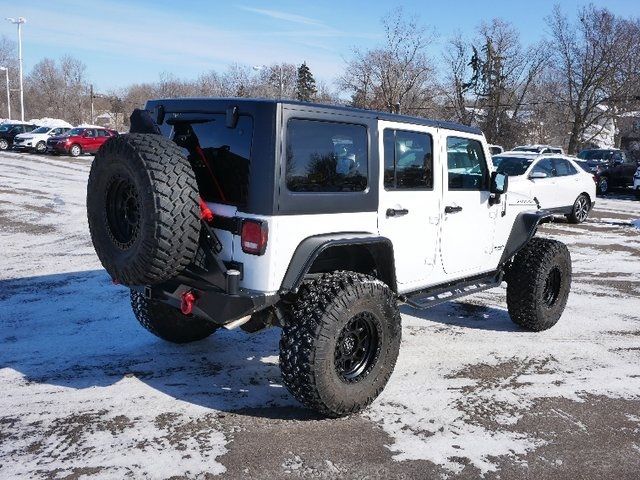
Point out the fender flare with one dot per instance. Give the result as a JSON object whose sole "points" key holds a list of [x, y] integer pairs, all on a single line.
{"points": [[312, 247], [524, 228]]}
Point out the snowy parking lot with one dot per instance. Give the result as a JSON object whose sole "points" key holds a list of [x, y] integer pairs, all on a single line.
{"points": [[86, 392]]}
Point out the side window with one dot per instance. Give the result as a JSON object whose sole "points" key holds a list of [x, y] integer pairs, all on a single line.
{"points": [[326, 156], [545, 166], [408, 160], [564, 168], [102, 133], [467, 164]]}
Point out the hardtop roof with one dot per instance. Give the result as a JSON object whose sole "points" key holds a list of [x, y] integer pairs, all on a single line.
{"points": [[391, 117]]}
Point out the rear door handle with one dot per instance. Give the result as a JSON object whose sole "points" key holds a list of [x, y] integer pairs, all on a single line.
{"points": [[396, 212], [452, 209]]}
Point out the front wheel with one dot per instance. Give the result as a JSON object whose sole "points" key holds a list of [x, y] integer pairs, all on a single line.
{"points": [[538, 284], [75, 150], [3, 144], [41, 147], [167, 322], [340, 346], [580, 210]]}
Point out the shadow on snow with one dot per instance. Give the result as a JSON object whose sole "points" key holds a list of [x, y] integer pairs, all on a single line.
{"points": [[77, 330]]}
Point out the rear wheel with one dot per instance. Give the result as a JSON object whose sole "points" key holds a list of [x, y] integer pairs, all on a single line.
{"points": [[75, 150], [538, 284], [603, 186], [167, 322], [580, 210], [339, 349], [41, 147]]}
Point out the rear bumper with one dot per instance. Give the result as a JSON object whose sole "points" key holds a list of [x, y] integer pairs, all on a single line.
{"points": [[211, 304]]}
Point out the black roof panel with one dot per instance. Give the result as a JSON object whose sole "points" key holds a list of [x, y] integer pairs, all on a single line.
{"points": [[192, 103]]}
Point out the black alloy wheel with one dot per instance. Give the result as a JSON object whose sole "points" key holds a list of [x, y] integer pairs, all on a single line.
{"points": [[552, 287], [122, 209], [357, 347]]}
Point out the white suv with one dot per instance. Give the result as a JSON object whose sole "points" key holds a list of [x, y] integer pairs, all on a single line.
{"points": [[318, 219], [36, 140], [557, 182]]}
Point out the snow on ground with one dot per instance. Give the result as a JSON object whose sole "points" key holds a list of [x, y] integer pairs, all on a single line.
{"points": [[86, 391]]}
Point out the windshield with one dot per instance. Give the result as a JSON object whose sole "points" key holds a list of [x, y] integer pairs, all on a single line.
{"points": [[74, 131], [596, 154], [41, 130], [512, 166]]}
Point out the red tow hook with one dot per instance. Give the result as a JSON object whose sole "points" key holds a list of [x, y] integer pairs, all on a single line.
{"points": [[205, 212], [187, 302]]}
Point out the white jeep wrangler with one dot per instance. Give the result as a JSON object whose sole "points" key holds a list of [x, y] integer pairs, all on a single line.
{"points": [[317, 219]]}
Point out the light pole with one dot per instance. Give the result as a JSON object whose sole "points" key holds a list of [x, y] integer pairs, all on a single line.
{"points": [[6, 71], [20, 21], [281, 78]]}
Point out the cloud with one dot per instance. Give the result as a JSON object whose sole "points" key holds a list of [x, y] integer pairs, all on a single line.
{"points": [[288, 17]]}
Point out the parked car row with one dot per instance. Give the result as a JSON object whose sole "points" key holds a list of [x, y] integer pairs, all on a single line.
{"points": [[53, 139]]}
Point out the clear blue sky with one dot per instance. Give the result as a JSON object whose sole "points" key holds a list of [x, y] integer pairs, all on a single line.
{"points": [[124, 41]]}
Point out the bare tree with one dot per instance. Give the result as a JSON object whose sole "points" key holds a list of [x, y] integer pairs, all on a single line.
{"points": [[458, 83], [8, 59], [397, 75], [597, 59], [488, 80]]}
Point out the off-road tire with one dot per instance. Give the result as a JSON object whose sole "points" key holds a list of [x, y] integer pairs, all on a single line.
{"points": [[533, 300], [40, 147], [167, 322], [75, 150], [580, 209], [4, 145], [323, 309], [163, 212]]}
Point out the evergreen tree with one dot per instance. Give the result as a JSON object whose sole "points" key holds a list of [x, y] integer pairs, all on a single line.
{"points": [[305, 85]]}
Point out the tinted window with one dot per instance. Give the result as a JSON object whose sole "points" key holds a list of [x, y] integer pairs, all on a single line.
{"points": [[545, 166], [220, 156], [564, 168], [512, 166], [408, 160], [596, 154], [326, 156], [467, 165], [103, 133]]}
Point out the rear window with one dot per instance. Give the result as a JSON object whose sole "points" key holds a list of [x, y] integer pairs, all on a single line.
{"points": [[326, 156], [220, 156], [408, 160]]}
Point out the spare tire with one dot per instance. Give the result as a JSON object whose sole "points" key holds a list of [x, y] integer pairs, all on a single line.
{"points": [[142, 207]]}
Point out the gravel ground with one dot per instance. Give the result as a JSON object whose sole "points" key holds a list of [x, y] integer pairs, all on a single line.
{"points": [[87, 393]]}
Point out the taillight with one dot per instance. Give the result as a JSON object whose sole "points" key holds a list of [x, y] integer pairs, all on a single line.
{"points": [[254, 237]]}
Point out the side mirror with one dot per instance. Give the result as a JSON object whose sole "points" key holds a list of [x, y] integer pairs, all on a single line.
{"points": [[498, 187], [535, 175]]}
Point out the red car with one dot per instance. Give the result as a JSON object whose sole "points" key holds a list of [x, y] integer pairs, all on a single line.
{"points": [[80, 140]]}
